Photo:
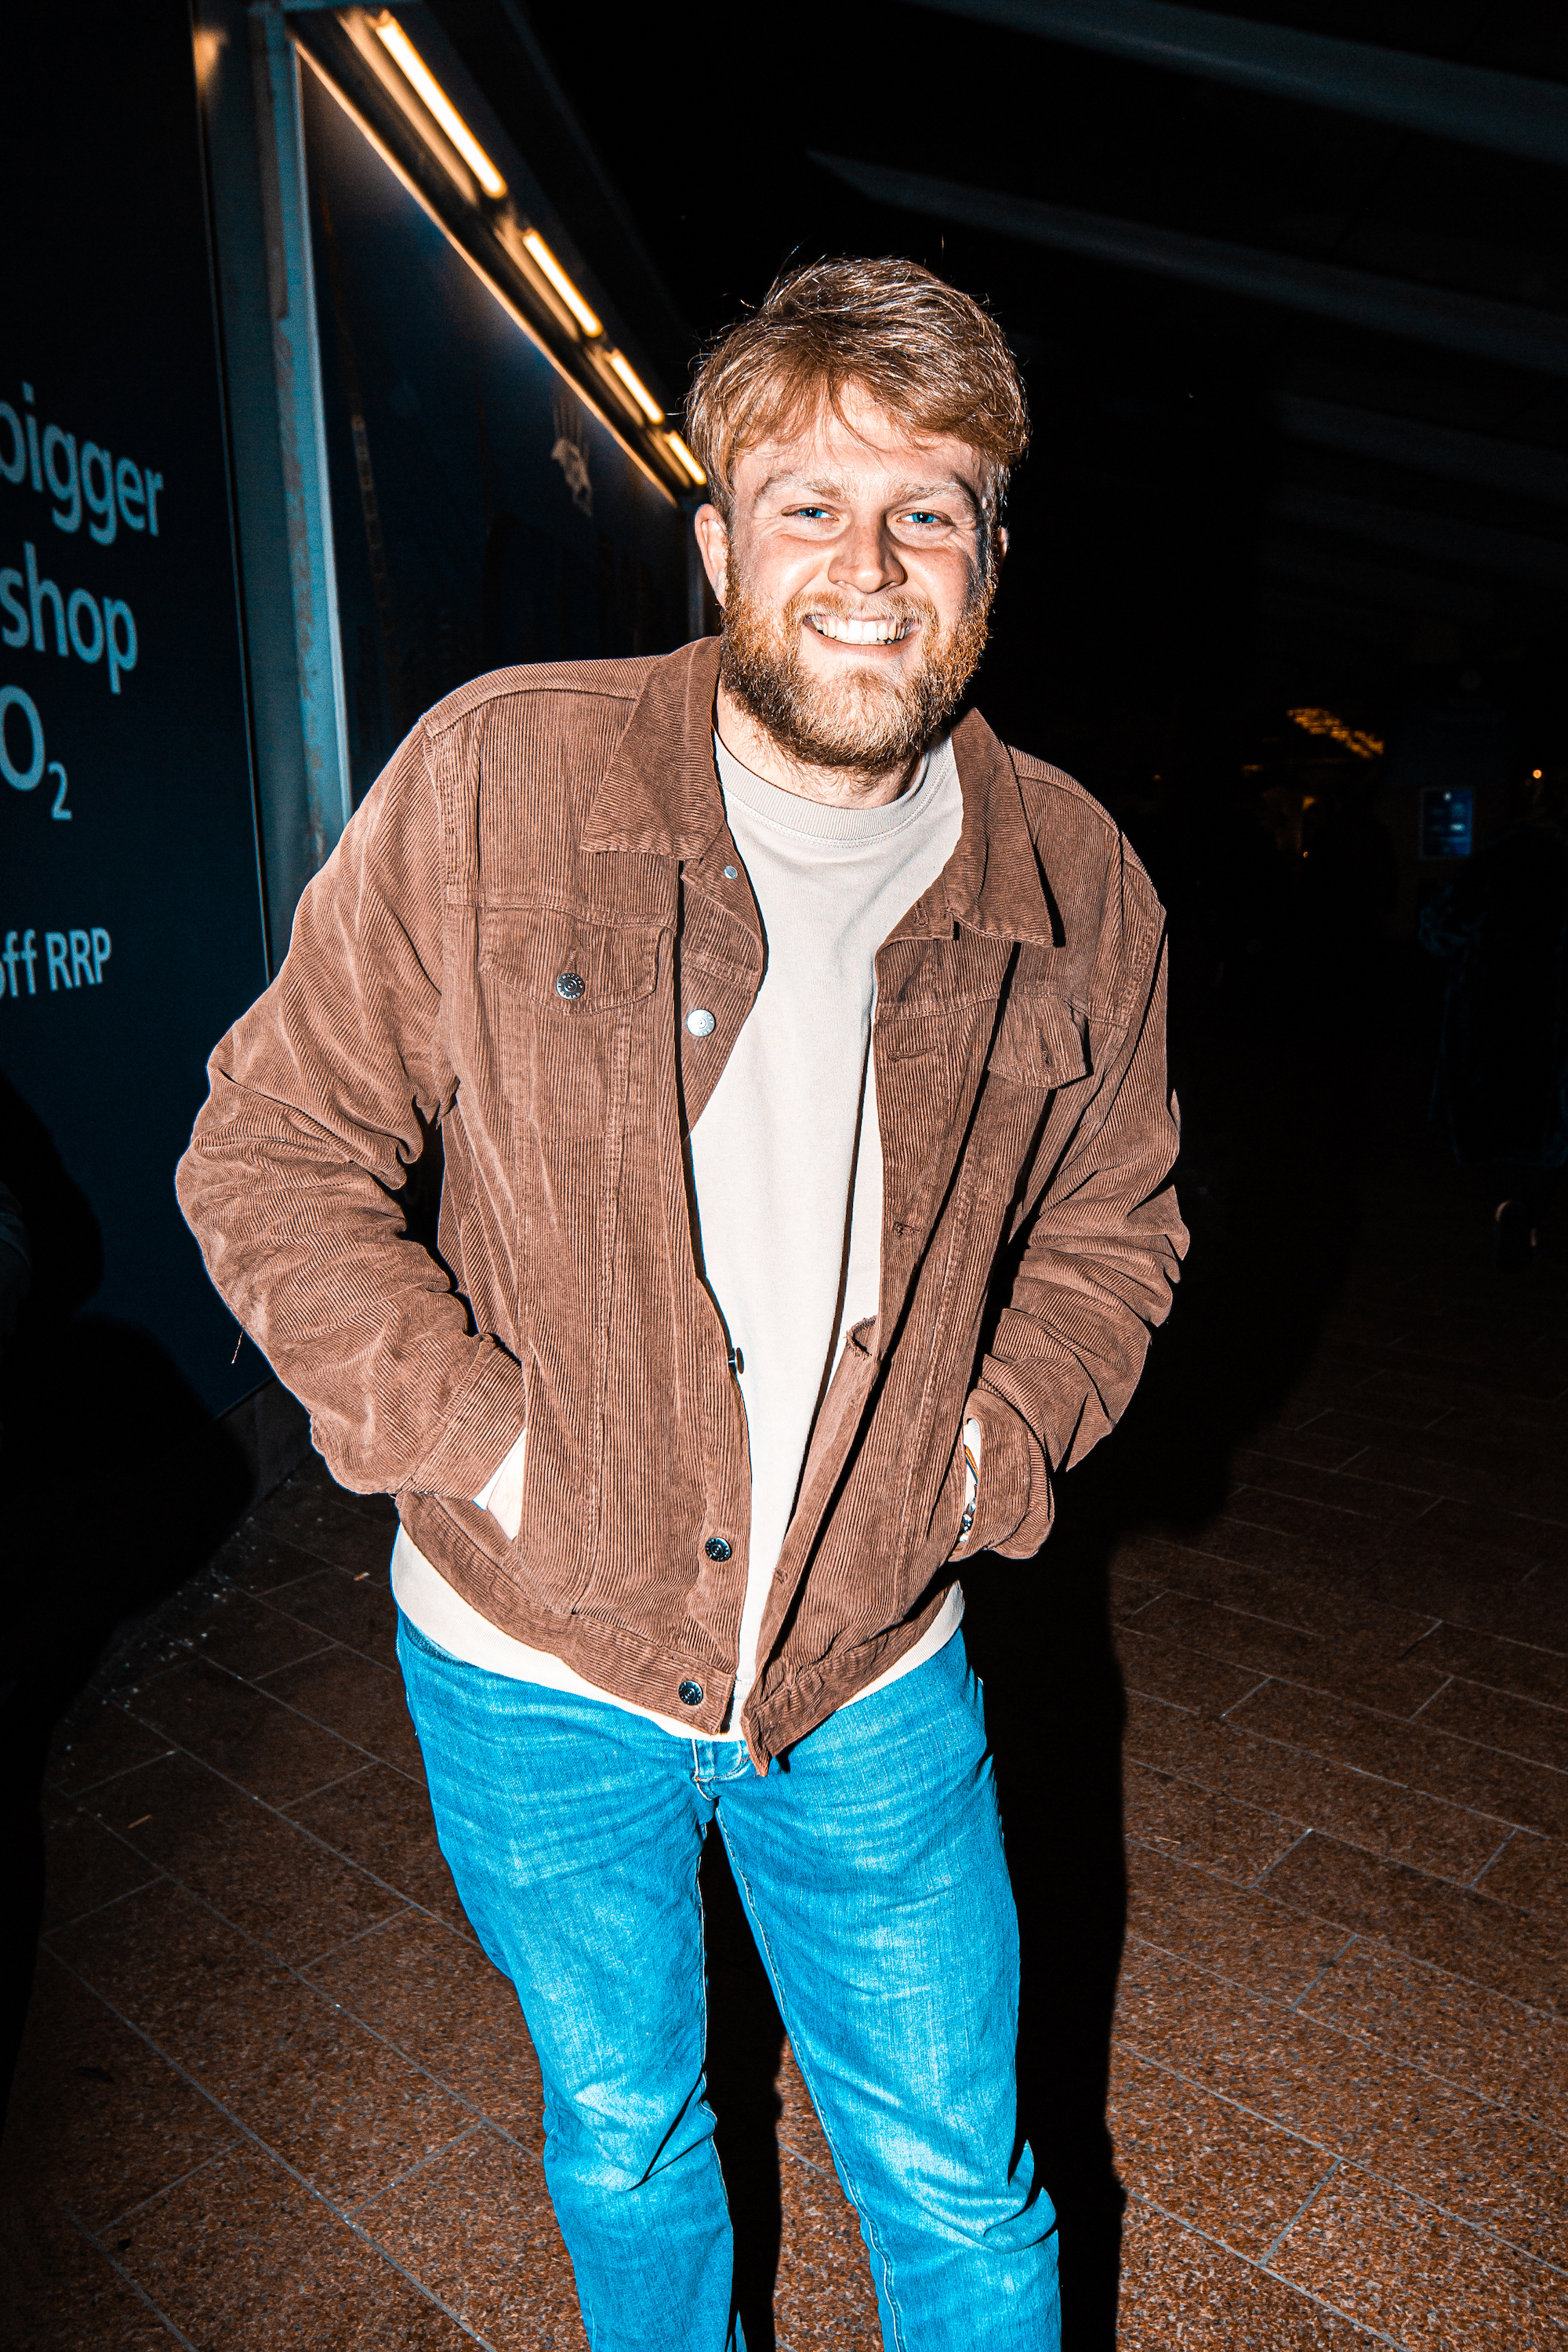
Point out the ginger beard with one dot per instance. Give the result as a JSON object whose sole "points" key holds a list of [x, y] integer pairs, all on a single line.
{"points": [[864, 722]]}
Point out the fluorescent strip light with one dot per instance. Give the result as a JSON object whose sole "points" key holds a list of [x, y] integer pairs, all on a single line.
{"points": [[636, 386], [492, 286], [587, 319], [510, 232], [685, 460], [400, 47]]}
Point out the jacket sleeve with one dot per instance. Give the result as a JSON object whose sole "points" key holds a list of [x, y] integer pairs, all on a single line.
{"points": [[1103, 1251], [320, 1101]]}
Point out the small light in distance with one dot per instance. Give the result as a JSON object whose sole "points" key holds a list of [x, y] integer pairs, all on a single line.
{"points": [[636, 386], [209, 47], [1536, 774], [399, 47], [588, 320], [693, 471], [1354, 738]]}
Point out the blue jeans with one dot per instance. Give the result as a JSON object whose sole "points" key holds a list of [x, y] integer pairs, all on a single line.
{"points": [[869, 1860]]}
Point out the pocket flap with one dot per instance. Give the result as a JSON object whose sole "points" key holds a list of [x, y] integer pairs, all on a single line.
{"points": [[567, 965], [1041, 1041]]}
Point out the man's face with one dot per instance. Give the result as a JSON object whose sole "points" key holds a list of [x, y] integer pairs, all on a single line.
{"points": [[857, 576]]}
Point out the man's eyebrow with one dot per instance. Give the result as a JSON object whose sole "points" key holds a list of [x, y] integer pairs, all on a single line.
{"points": [[907, 494]]}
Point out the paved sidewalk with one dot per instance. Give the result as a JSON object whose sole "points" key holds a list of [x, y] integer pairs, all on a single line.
{"points": [[1341, 2043], [272, 2095]]}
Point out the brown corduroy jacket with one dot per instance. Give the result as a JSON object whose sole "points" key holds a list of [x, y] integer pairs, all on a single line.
{"points": [[504, 944]]}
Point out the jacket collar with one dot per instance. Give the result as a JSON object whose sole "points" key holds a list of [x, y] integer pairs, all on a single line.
{"points": [[660, 795], [660, 791], [993, 880]]}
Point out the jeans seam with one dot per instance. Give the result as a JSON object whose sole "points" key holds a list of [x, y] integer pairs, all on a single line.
{"points": [[759, 1930]]}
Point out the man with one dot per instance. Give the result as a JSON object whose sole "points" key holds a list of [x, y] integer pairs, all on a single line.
{"points": [[763, 1019]]}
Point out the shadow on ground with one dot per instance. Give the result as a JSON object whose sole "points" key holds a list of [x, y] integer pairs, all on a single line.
{"points": [[118, 1485]]}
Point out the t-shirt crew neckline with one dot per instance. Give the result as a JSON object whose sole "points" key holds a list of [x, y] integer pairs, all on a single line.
{"points": [[816, 820]]}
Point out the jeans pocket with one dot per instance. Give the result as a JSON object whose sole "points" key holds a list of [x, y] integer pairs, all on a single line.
{"points": [[408, 1631]]}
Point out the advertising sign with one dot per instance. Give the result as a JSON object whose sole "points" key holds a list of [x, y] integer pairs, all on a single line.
{"points": [[130, 917]]}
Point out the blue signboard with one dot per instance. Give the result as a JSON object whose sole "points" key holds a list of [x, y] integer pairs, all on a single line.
{"points": [[129, 916], [1447, 814]]}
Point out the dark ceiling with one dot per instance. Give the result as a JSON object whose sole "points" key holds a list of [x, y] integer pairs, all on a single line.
{"points": [[1301, 410]]}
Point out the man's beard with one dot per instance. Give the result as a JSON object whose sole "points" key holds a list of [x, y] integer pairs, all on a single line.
{"points": [[863, 722]]}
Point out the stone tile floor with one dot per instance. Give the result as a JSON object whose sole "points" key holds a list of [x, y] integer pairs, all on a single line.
{"points": [[273, 2095]]}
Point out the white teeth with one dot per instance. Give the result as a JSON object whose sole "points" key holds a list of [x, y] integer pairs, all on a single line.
{"points": [[859, 633]]}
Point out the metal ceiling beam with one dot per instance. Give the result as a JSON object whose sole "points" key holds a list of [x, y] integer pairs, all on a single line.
{"points": [[1374, 584], [1508, 555], [1406, 636], [1457, 456], [1505, 331], [1512, 112]]}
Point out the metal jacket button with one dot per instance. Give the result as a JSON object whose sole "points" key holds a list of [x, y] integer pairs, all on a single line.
{"points": [[570, 984], [700, 1024], [717, 1549], [689, 1694], [729, 873]]}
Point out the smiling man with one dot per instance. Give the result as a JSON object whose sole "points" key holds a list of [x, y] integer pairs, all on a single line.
{"points": [[799, 1063]]}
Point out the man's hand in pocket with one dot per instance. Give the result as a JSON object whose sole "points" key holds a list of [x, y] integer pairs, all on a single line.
{"points": [[503, 1497]]}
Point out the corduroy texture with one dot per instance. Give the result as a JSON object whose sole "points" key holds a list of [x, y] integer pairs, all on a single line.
{"points": [[567, 820]]}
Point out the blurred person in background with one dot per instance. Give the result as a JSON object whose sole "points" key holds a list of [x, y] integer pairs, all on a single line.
{"points": [[1501, 1101], [15, 1263]]}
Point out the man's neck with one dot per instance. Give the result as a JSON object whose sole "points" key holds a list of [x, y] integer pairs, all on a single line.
{"points": [[751, 743]]}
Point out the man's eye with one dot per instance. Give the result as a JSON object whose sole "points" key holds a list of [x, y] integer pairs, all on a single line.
{"points": [[809, 514], [923, 514]]}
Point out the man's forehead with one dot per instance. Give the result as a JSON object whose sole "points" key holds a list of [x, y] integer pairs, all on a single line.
{"points": [[901, 466], [855, 438]]}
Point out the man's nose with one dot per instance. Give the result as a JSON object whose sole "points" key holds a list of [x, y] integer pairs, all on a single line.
{"points": [[864, 559]]}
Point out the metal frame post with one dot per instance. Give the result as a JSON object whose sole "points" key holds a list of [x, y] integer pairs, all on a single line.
{"points": [[301, 425]]}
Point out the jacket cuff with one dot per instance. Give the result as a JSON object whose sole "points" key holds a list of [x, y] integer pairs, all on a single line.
{"points": [[1015, 1505], [479, 1431]]}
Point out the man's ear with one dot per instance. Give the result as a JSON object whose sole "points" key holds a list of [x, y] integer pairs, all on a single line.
{"points": [[1002, 538], [713, 544]]}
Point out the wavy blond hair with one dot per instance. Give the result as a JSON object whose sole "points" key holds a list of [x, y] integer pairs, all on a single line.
{"points": [[931, 356]]}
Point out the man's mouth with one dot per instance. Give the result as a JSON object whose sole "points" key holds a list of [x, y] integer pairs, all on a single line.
{"points": [[871, 632]]}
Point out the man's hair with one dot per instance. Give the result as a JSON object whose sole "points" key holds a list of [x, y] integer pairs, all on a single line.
{"points": [[932, 357]]}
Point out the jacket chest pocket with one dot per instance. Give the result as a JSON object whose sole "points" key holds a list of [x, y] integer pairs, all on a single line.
{"points": [[1039, 1049], [567, 995]]}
